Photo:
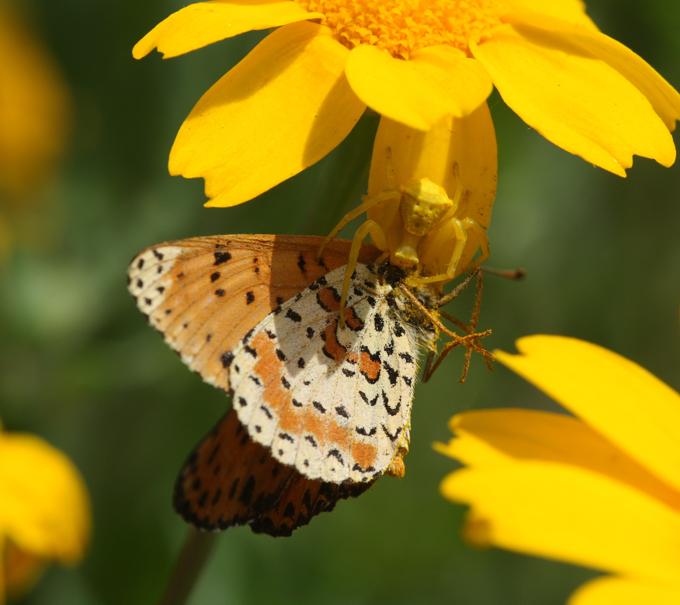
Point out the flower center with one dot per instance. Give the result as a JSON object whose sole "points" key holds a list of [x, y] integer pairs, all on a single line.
{"points": [[404, 26]]}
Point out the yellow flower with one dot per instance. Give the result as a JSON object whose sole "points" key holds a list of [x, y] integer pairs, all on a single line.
{"points": [[44, 510], [430, 197], [600, 490], [457, 156], [33, 109], [301, 90]]}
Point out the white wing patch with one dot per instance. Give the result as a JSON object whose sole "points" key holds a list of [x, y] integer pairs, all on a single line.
{"points": [[334, 403], [149, 277]]}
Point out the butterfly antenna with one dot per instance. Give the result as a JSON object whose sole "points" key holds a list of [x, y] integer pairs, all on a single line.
{"points": [[512, 274]]}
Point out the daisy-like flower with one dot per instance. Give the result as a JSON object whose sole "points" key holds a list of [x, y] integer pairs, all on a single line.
{"points": [[430, 197], [457, 160], [601, 489], [33, 109], [44, 510], [300, 91]]}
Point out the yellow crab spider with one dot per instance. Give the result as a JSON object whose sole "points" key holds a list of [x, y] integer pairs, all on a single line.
{"points": [[423, 207]]}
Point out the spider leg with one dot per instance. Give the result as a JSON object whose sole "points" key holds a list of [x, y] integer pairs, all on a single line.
{"points": [[367, 203], [462, 229], [373, 229]]}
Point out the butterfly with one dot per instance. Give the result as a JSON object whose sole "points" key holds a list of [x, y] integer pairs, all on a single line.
{"points": [[320, 407]]}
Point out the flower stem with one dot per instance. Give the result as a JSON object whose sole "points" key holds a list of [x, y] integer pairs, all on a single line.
{"points": [[194, 555]]}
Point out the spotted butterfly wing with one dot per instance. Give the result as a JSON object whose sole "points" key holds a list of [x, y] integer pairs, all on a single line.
{"points": [[229, 479], [333, 402], [203, 294]]}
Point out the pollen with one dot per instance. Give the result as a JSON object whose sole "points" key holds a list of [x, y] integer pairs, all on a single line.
{"points": [[404, 26]]}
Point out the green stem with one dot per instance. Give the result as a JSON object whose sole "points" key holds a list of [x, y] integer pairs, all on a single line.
{"points": [[194, 555]]}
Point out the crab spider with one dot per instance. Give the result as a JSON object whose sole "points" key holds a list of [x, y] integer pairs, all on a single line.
{"points": [[423, 207]]}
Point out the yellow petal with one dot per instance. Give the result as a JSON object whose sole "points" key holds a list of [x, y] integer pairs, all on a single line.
{"points": [[495, 437], [436, 82], [281, 109], [574, 99], [616, 397], [624, 591], [663, 97], [571, 11], [203, 23], [566, 513], [456, 152], [44, 508]]}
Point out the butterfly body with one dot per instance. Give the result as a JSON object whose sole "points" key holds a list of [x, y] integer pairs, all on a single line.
{"points": [[320, 410]]}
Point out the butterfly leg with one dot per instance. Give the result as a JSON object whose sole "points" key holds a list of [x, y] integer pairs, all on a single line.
{"points": [[427, 370], [373, 229], [470, 340], [457, 291], [467, 328]]}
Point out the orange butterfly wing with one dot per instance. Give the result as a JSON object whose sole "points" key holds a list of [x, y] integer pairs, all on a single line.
{"points": [[231, 480], [205, 293]]}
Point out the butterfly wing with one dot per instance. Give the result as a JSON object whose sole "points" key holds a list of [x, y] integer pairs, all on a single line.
{"points": [[333, 403], [231, 480], [204, 293]]}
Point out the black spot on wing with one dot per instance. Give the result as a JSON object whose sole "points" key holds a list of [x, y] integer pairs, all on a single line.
{"points": [[391, 373], [293, 316], [301, 263], [337, 455], [407, 357], [365, 399], [392, 411], [226, 358], [366, 433], [378, 322], [221, 258], [391, 436]]}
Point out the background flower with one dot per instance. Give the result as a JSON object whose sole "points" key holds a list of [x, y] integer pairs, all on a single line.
{"points": [[33, 109], [602, 491], [34, 121], [44, 510], [299, 92]]}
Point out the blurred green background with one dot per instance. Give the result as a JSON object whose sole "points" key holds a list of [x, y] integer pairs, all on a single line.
{"points": [[80, 367]]}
